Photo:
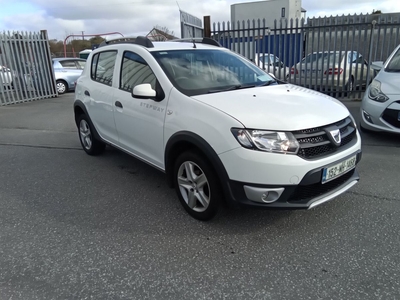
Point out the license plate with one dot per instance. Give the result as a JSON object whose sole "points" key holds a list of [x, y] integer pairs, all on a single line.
{"points": [[339, 169]]}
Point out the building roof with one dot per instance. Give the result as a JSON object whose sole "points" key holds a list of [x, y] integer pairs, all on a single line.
{"points": [[155, 32]]}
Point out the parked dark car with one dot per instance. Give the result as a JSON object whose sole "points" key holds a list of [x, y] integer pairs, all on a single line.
{"points": [[67, 71]]}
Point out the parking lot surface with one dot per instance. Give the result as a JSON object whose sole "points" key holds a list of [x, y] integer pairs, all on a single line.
{"points": [[74, 226]]}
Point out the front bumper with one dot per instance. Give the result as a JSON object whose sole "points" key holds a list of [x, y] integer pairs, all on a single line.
{"points": [[378, 116], [310, 192]]}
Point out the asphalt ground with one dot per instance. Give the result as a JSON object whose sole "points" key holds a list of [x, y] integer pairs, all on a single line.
{"points": [[79, 227]]}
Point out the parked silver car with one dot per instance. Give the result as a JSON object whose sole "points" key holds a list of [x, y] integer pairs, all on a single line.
{"points": [[331, 70], [380, 107], [67, 71]]}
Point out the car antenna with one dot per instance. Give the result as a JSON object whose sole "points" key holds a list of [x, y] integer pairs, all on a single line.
{"points": [[194, 42]]}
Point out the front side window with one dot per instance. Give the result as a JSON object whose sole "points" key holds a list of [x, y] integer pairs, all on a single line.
{"points": [[202, 71], [135, 71], [103, 64], [394, 64]]}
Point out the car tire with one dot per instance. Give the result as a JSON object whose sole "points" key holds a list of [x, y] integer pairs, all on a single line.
{"points": [[61, 86], [197, 185], [90, 144]]}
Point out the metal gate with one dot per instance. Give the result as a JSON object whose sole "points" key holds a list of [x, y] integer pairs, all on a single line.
{"points": [[332, 55], [26, 72]]}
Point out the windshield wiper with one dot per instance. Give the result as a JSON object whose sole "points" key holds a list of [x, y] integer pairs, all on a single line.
{"points": [[233, 87]]}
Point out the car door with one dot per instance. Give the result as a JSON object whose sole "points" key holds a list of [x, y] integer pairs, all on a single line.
{"points": [[100, 93], [139, 122]]}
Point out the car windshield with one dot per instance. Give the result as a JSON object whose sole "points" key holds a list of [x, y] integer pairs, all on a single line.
{"points": [[202, 71], [394, 64]]}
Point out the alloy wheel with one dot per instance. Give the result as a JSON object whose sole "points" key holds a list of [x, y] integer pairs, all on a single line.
{"points": [[61, 87], [194, 186], [85, 135]]}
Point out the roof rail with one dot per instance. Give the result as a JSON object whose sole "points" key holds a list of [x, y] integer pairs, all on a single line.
{"points": [[140, 40], [204, 40]]}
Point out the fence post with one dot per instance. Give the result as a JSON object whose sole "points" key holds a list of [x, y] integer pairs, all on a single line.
{"points": [[371, 41], [207, 26], [49, 63]]}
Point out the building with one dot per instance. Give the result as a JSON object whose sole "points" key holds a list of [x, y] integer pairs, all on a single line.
{"points": [[270, 10]]}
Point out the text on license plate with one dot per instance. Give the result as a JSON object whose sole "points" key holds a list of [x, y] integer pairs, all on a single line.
{"points": [[338, 169]]}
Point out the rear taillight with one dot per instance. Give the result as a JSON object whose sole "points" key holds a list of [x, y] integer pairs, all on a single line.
{"points": [[294, 71], [333, 71]]}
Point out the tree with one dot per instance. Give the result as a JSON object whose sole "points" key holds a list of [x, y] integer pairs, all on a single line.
{"points": [[376, 12], [96, 40]]}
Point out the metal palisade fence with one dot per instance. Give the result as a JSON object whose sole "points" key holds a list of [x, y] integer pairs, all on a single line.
{"points": [[332, 55], [26, 71]]}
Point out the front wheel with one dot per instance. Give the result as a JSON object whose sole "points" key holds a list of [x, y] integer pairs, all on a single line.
{"points": [[90, 144], [197, 186]]}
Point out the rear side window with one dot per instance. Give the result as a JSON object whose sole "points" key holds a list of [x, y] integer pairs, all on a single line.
{"points": [[103, 64], [81, 64], [68, 64], [135, 71]]}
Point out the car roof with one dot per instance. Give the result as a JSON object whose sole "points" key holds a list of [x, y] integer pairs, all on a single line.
{"points": [[162, 46], [152, 46]]}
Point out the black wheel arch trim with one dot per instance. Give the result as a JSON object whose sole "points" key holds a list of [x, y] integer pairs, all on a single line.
{"points": [[206, 149], [81, 105]]}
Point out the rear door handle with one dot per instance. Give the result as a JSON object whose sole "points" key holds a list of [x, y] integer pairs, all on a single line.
{"points": [[87, 93], [118, 104]]}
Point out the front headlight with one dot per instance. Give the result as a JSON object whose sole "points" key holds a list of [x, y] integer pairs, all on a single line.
{"points": [[269, 141], [353, 120], [375, 92]]}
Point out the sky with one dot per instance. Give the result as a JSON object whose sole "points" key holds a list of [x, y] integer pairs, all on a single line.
{"points": [[138, 17]]}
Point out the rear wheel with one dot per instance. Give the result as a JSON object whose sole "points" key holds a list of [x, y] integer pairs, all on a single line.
{"points": [[90, 144], [61, 86], [197, 186]]}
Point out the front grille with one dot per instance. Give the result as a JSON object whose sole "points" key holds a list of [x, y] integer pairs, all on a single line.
{"points": [[314, 142], [392, 117], [308, 192]]}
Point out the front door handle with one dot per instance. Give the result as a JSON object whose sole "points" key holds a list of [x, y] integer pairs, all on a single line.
{"points": [[118, 104], [87, 93]]}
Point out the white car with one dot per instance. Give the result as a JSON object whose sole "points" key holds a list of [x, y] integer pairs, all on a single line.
{"points": [[217, 125], [6, 77], [272, 64], [380, 107]]}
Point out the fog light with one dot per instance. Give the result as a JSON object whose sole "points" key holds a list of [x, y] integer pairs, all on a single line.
{"points": [[263, 195], [367, 117]]}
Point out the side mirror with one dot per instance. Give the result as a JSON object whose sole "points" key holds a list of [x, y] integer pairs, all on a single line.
{"points": [[143, 91], [377, 65]]}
